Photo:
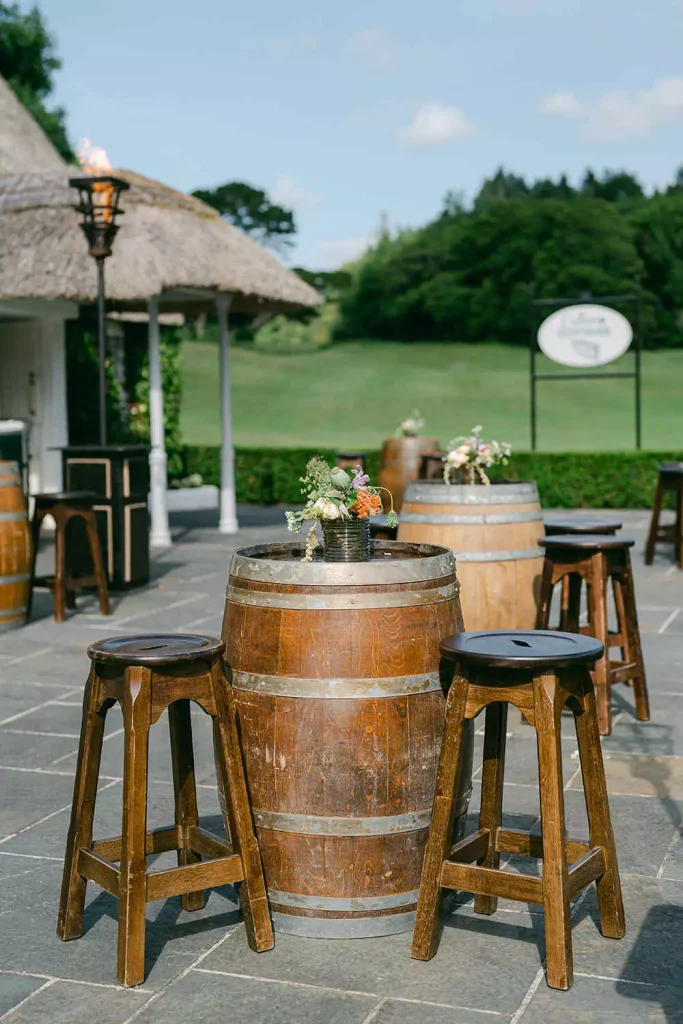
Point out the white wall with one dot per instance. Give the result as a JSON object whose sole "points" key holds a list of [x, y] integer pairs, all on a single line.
{"points": [[33, 387]]}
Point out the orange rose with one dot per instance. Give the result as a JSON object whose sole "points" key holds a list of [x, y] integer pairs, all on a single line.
{"points": [[366, 504]]}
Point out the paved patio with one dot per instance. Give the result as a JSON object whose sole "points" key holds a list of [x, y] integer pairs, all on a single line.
{"points": [[198, 964]]}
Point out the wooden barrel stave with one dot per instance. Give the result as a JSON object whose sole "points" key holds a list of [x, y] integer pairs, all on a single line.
{"points": [[400, 462], [355, 750], [494, 533], [15, 549]]}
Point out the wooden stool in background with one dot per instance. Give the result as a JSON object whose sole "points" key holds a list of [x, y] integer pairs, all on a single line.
{"points": [[351, 460], [597, 560], [670, 479], [539, 673], [64, 507], [578, 525], [145, 675], [431, 466]]}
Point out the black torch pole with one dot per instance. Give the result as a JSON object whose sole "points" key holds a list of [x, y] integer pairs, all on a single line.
{"points": [[102, 348]]}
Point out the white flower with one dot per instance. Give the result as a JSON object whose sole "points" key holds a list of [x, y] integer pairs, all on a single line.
{"points": [[458, 457], [328, 508]]}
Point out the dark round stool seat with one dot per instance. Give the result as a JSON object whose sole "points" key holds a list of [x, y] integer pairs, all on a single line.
{"points": [[522, 648], [586, 541], [672, 468], [68, 497], [581, 525], [155, 648]]}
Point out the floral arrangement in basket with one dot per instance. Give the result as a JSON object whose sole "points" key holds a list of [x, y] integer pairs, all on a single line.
{"points": [[411, 425], [332, 495], [468, 458]]}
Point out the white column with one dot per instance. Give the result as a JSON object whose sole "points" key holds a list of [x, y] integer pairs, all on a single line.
{"points": [[160, 536], [228, 520], [53, 396]]}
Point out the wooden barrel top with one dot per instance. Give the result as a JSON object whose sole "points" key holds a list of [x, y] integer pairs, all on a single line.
{"points": [[501, 492], [392, 562]]}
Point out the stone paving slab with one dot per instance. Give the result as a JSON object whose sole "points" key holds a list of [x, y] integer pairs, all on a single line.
{"points": [[199, 965]]}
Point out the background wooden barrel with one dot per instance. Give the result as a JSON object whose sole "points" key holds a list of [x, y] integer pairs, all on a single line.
{"points": [[335, 669], [400, 462], [15, 548], [494, 533]]}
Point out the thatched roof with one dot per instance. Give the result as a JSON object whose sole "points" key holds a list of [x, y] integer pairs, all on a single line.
{"points": [[168, 242], [23, 144]]}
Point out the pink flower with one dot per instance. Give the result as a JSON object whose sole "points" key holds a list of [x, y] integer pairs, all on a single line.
{"points": [[360, 479]]}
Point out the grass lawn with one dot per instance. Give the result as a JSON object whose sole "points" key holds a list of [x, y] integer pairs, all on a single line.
{"points": [[355, 394]]}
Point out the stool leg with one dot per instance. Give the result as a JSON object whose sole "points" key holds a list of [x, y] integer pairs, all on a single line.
{"points": [[635, 650], [556, 901], [426, 932], [572, 618], [72, 901], [679, 527], [491, 813], [96, 555], [186, 813], [654, 524], [546, 596], [252, 890], [597, 624], [564, 604], [133, 869], [610, 902], [35, 539], [60, 569], [618, 593]]}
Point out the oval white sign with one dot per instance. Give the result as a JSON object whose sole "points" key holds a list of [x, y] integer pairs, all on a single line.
{"points": [[585, 335]]}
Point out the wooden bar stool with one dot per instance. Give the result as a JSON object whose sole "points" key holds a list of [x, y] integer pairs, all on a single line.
{"points": [[145, 675], [539, 673], [351, 460], [578, 525], [431, 466], [670, 479], [596, 560], [64, 507]]}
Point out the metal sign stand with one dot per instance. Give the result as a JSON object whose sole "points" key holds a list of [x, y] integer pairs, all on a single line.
{"points": [[634, 374]]}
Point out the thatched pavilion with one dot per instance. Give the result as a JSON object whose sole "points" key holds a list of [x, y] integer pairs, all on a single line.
{"points": [[173, 253]]}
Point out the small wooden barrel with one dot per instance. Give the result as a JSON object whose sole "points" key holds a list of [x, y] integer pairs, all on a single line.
{"points": [[335, 669], [493, 532], [400, 462], [15, 548]]}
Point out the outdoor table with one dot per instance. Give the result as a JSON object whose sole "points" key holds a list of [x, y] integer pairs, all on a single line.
{"points": [[119, 476], [335, 669]]}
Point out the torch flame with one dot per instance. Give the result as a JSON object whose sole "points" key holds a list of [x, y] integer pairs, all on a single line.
{"points": [[94, 160]]}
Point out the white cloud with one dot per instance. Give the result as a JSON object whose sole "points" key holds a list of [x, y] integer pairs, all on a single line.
{"points": [[623, 113], [373, 46], [287, 193], [434, 124], [631, 113], [344, 250], [561, 104]]}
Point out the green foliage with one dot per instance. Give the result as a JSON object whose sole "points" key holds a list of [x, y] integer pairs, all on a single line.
{"points": [[467, 275], [127, 420], [28, 62], [267, 476], [251, 210], [590, 479], [82, 384], [170, 376], [285, 334]]}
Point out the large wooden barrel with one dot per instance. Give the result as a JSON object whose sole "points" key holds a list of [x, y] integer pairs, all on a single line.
{"points": [[400, 462], [336, 673], [494, 533], [15, 548]]}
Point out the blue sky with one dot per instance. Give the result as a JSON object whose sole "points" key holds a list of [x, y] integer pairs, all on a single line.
{"points": [[346, 112]]}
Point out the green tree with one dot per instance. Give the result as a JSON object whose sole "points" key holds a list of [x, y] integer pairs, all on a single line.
{"points": [[28, 62], [251, 210]]}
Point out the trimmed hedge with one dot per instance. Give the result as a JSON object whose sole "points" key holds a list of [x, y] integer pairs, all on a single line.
{"points": [[267, 476]]}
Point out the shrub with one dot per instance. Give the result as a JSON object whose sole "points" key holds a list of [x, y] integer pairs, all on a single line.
{"points": [[266, 476]]}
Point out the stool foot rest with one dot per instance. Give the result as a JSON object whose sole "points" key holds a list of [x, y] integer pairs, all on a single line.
{"points": [[223, 867]]}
